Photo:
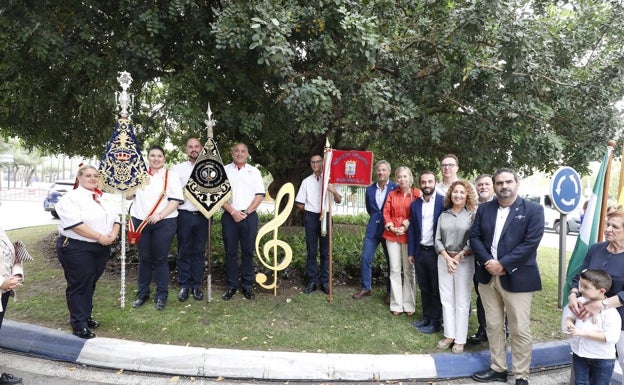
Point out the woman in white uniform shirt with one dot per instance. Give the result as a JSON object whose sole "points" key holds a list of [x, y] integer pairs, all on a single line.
{"points": [[161, 226], [87, 230]]}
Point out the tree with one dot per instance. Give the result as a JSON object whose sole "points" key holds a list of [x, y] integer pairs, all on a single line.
{"points": [[527, 84]]}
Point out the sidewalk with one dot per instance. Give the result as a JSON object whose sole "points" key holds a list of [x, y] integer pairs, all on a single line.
{"points": [[250, 364]]}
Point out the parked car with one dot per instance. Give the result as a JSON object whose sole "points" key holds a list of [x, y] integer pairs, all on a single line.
{"points": [[552, 217], [57, 190]]}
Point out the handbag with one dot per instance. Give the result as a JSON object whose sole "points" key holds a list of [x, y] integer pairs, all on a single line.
{"points": [[134, 235]]}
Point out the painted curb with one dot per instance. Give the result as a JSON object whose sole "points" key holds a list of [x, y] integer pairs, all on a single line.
{"points": [[251, 364]]}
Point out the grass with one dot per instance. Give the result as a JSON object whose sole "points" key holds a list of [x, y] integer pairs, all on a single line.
{"points": [[290, 321]]}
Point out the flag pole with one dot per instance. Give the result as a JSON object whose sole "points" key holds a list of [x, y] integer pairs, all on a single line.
{"points": [[330, 234], [210, 123], [620, 197], [605, 192]]}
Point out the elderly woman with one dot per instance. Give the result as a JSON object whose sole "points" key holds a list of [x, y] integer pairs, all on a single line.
{"points": [[609, 257], [455, 263], [396, 214], [86, 231], [157, 205]]}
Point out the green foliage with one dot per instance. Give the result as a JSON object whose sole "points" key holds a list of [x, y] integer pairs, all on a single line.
{"points": [[527, 84]]}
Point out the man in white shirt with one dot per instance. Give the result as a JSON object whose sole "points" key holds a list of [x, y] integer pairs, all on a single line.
{"points": [[192, 232], [449, 164]]}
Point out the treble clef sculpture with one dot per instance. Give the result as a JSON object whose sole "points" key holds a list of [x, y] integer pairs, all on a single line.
{"points": [[270, 256]]}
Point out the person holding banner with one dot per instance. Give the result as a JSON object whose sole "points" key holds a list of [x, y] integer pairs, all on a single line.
{"points": [[309, 199], [376, 195], [239, 222], [157, 205], [86, 232], [192, 232], [607, 256], [396, 215]]}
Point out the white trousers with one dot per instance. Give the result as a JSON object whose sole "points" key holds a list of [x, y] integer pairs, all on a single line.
{"points": [[455, 295], [402, 289]]}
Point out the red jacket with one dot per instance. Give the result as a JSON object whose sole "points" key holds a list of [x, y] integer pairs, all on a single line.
{"points": [[396, 211]]}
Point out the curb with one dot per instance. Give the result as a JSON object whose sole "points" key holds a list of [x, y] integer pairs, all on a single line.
{"points": [[252, 364]]}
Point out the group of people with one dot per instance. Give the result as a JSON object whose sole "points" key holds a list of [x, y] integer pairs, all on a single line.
{"points": [[88, 228], [447, 236]]}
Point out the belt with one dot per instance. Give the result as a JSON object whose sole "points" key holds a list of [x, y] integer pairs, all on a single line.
{"points": [[312, 213], [426, 247], [190, 212]]}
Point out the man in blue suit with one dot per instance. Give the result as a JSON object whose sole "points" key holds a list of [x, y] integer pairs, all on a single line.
{"points": [[424, 214], [505, 236], [376, 195]]}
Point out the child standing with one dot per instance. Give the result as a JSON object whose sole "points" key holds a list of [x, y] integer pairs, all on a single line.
{"points": [[593, 342]]}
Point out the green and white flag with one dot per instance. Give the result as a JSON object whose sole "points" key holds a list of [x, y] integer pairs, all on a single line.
{"points": [[588, 234]]}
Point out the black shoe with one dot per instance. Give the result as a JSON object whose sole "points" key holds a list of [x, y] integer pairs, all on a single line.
{"points": [[325, 288], [421, 323], [7, 378], [248, 293], [229, 293], [198, 294], [430, 329], [183, 294], [160, 303], [310, 288], [479, 337], [139, 301], [521, 381], [489, 375], [85, 333], [91, 324]]}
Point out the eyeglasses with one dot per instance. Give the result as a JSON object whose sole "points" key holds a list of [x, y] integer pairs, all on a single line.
{"points": [[316, 161], [447, 165]]}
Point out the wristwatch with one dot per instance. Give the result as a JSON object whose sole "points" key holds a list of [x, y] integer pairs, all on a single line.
{"points": [[605, 303]]}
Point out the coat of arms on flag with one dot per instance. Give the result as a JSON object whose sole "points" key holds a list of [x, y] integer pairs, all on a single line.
{"points": [[122, 168], [208, 187]]}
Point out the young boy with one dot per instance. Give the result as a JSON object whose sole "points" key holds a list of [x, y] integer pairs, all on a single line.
{"points": [[593, 342]]}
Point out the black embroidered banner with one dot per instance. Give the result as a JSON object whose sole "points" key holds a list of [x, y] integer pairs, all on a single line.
{"points": [[208, 187]]}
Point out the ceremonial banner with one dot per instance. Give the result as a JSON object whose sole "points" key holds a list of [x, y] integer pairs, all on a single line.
{"points": [[122, 168], [351, 167], [325, 201], [208, 187]]}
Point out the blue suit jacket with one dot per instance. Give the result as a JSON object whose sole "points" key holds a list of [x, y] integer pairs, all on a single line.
{"points": [[375, 226], [414, 234], [517, 247]]}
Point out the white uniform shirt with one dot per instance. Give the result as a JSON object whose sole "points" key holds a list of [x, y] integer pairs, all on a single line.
{"points": [[77, 207], [147, 196], [246, 183], [607, 321], [310, 191], [428, 208], [184, 171]]}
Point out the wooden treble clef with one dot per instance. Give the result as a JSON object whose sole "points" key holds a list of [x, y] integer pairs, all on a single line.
{"points": [[270, 256]]}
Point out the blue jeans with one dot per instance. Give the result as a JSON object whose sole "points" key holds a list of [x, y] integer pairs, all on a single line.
{"points": [[315, 242], [192, 238], [153, 249], [592, 371], [366, 261]]}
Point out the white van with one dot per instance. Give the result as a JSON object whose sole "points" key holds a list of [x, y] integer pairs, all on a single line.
{"points": [[552, 216]]}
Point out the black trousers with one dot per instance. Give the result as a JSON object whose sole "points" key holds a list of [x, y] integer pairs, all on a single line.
{"points": [[5, 302], [426, 266]]}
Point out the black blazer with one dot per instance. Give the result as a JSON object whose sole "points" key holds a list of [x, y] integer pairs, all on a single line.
{"points": [[517, 247]]}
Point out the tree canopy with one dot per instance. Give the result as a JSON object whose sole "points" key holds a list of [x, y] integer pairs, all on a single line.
{"points": [[527, 84]]}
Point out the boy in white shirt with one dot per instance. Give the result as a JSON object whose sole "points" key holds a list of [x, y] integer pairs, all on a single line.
{"points": [[593, 342]]}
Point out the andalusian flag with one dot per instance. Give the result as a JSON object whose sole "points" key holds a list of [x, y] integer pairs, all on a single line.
{"points": [[208, 187], [588, 235]]}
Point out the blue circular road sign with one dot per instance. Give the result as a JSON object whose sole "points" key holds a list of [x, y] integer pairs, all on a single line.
{"points": [[565, 190]]}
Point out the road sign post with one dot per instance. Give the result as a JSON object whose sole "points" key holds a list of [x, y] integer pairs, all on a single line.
{"points": [[565, 195]]}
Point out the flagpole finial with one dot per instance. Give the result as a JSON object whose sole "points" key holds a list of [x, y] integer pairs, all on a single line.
{"points": [[327, 143], [210, 122], [123, 99]]}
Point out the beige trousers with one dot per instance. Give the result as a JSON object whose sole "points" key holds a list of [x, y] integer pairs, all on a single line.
{"points": [[517, 306]]}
